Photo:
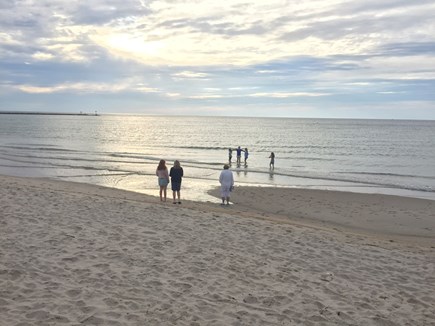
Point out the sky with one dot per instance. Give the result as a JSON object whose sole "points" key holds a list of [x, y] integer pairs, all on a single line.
{"points": [[319, 59]]}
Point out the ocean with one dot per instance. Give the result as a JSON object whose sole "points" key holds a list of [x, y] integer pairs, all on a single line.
{"points": [[122, 151]]}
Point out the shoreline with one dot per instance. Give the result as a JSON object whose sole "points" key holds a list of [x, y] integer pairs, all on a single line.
{"points": [[76, 253], [388, 217], [384, 217]]}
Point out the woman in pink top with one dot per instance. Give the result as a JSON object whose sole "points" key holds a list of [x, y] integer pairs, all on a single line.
{"points": [[163, 176]]}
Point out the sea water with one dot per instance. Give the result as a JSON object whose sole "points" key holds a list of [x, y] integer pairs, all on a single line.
{"points": [[122, 151]]}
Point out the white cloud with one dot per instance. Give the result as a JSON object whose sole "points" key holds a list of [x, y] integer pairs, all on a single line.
{"points": [[286, 95], [190, 74], [173, 95], [205, 96], [267, 71], [87, 88], [7, 39], [42, 56]]}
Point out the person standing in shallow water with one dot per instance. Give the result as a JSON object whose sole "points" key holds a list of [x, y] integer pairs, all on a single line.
{"points": [[226, 180], [163, 178], [272, 160], [176, 175], [239, 155], [246, 156]]}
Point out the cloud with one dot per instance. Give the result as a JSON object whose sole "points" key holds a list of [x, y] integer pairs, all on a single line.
{"points": [[190, 74], [406, 49], [42, 56], [87, 88], [191, 33], [205, 96], [418, 67], [226, 53], [186, 34], [286, 95]]}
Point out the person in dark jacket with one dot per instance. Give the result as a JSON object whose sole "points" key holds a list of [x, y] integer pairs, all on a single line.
{"points": [[176, 175], [272, 160]]}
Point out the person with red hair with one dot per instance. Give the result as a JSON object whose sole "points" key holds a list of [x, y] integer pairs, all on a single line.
{"points": [[163, 178]]}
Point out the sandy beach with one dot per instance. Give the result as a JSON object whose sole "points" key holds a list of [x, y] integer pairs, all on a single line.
{"points": [[76, 254]]}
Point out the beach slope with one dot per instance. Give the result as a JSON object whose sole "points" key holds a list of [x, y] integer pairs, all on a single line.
{"points": [[404, 219], [74, 254]]}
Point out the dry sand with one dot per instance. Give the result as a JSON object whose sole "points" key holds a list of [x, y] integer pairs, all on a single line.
{"points": [[74, 254]]}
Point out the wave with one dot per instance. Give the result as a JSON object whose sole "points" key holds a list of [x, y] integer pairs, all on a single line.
{"points": [[126, 163], [389, 174], [142, 157], [349, 179], [101, 170], [205, 147], [294, 158], [48, 149], [68, 158]]}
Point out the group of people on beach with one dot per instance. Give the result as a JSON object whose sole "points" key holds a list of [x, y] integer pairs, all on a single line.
{"points": [[176, 174], [226, 178], [239, 151]]}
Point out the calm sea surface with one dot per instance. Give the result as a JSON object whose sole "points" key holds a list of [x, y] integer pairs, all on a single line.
{"points": [[373, 156]]}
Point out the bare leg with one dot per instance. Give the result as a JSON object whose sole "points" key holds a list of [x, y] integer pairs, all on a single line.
{"points": [[164, 192]]}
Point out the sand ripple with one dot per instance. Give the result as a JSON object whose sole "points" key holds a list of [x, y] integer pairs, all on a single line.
{"points": [[75, 256]]}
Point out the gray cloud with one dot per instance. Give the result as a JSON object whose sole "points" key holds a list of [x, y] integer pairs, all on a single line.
{"points": [[376, 6], [360, 27], [207, 25], [407, 49], [360, 19], [100, 12]]}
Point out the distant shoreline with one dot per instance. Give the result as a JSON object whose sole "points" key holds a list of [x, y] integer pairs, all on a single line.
{"points": [[48, 113]]}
